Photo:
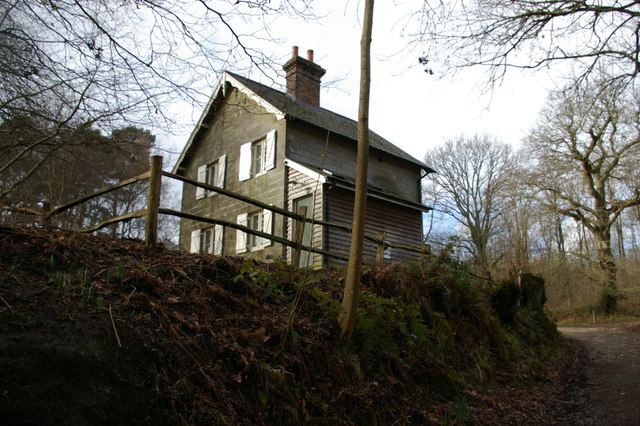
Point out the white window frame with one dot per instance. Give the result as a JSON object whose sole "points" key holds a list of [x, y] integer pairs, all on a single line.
{"points": [[255, 221], [261, 221], [208, 240], [257, 157], [212, 174]]}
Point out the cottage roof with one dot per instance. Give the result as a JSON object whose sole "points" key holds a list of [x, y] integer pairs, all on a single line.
{"points": [[284, 105], [323, 118]]}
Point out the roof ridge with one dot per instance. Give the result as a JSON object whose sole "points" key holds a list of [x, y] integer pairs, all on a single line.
{"points": [[323, 117], [306, 105]]}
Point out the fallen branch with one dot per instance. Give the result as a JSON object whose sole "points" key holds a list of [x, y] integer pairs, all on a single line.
{"points": [[113, 324], [8, 305]]}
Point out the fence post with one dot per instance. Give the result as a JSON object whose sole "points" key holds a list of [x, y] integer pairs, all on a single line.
{"points": [[153, 200], [380, 249], [297, 238]]}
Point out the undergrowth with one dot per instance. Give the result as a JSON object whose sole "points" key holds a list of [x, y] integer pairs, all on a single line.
{"points": [[219, 340]]}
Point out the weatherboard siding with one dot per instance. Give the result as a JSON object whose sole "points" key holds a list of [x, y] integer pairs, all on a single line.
{"points": [[301, 185], [319, 148], [402, 225]]}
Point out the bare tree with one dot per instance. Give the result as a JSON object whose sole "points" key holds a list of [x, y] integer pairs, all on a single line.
{"points": [[70, 64], [472, 173], [518, 217], [530, 34], [587, 140], [78, 166]]}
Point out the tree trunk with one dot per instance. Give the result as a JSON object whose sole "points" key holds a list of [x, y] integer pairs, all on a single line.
{"points": [[622, 253], [634, 243], [585, 253], [560, 238], [347, 317], [607, 264], [480, 242], [482, 262]]}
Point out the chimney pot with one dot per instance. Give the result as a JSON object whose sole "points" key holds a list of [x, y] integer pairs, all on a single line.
{"points": [[303, 78]]}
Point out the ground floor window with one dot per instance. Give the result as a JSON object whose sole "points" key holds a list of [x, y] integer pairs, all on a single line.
{"points": [[260, 221], [208, 240]]}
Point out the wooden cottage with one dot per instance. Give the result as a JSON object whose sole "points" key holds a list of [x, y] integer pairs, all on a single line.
{"points": [[285, 150]]}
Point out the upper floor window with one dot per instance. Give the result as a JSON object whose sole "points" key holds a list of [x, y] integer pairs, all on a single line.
{"points": [[257, 157], [258, 154], [211, 174]]}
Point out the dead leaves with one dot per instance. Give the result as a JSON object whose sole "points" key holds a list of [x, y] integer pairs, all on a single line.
{"points": [[213, 340]]}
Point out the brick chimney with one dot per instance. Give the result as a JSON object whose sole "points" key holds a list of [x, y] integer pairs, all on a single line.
{"points": [[303, 78]]}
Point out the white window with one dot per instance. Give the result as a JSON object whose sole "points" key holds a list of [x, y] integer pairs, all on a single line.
{"points": [[258, 149], [387, 252], [258, 221], [207, 240], [211, 174], [257, 157], [255, 221]]}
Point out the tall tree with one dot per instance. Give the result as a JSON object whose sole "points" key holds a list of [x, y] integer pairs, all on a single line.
{"points": [[517, 218], [586, 141], [472, 172], [347, 317], [531, 34], [69, 64], [78, 163]]}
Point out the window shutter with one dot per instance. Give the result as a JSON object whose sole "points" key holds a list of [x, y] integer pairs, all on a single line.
{"points": [[267, 226], [241, 237], [202, 177], [270, 151], [195, 241], [206, 239], [222, 165], [217, 242], [244, 167]]}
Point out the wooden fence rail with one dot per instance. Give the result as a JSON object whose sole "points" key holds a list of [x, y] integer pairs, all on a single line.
{"points": [[154, 175], [243, 228], [260, 204], [105, 190], [285, 212]]}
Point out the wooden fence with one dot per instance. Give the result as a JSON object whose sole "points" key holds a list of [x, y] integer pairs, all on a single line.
{"points": [[153, 210]]}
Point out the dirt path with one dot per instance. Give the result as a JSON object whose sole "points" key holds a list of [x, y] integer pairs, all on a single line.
{"points": [[609, 392]]}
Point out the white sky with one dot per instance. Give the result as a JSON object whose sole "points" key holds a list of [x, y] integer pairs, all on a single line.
{"points": [[410, 108]]}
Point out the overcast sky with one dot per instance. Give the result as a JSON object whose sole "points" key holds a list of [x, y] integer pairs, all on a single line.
{"points": [[410, 108]]}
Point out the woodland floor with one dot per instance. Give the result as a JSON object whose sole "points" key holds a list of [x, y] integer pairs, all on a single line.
{"points": [[606, 375]]}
